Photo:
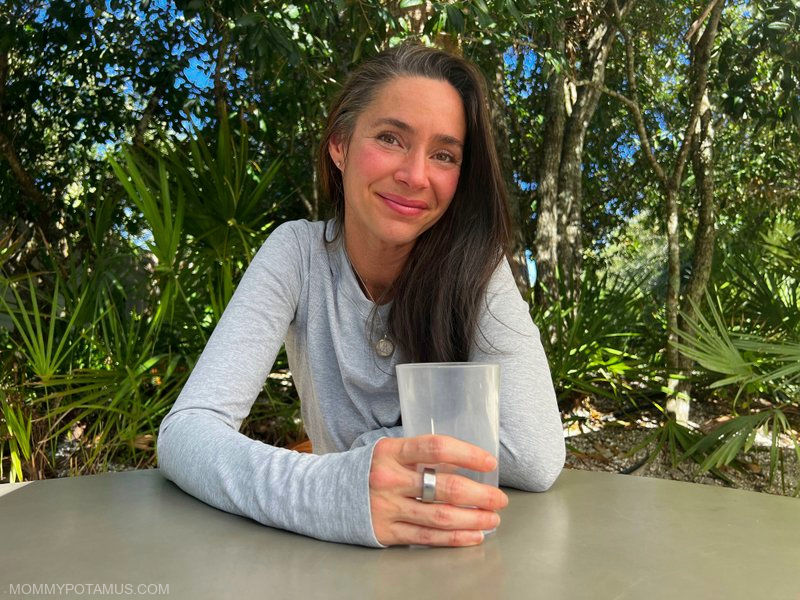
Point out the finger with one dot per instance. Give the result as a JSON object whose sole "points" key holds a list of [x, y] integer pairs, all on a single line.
{"points": [[432, 449], [462, 491], [445, 516], [452, 489], [410, 533]]}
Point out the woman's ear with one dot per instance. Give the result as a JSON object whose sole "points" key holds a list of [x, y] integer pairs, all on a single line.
{"points": [[337, 150]]}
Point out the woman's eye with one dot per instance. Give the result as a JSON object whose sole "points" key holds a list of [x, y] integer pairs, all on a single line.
{"points": [[387, 138], [444, 157]]}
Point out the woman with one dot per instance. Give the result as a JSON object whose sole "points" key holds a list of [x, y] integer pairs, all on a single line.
{"points": [[412, 268]]}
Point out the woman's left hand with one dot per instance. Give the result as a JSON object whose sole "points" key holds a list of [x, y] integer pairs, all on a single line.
{"points": [[394, 484]]}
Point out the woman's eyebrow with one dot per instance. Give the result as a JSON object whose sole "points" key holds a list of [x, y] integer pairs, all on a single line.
{"points": [[440, 138]]}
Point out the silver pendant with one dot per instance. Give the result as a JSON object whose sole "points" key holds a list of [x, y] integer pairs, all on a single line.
{"points": [[384, 347]]}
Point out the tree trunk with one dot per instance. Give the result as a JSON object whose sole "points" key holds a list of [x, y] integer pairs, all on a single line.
{"points": [[220, 83], [24, 179], [147, 116], [570, 209], [599, 43], [597, 46], [518, 211], [546, 242], [680, 406], [705, 234], [701, 125]]}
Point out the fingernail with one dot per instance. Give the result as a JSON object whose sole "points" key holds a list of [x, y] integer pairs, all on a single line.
{"points": [[491, 462]]}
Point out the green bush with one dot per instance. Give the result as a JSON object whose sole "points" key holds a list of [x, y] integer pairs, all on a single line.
{"points": [[102, 341]]}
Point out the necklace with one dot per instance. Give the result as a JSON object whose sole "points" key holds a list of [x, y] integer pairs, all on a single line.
{"points": [[384, 346]]}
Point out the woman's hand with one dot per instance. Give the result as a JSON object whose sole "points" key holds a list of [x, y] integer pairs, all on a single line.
{"points": [[394, 484]]}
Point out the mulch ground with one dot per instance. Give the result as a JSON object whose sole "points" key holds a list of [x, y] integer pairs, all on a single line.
{"points": [[597, 440]]}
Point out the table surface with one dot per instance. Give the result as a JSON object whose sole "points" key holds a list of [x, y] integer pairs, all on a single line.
{"points": [[593, 535]]}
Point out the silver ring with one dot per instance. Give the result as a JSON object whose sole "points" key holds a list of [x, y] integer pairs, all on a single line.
{"points": [[428, 485]]}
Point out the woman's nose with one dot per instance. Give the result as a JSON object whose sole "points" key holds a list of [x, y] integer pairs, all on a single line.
{"points": [[413, 171]]}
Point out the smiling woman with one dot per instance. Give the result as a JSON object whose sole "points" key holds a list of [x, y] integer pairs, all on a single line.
{"points": [[418, 243], [400, 168]]}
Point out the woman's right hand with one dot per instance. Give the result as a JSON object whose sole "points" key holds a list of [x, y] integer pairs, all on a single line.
{"points": [[394, 485]]}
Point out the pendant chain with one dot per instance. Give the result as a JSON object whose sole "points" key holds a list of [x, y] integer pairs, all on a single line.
{"points": [[384, 346]]}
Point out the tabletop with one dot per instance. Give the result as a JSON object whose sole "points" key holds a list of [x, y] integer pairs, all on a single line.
{"points": [[593, 535]]}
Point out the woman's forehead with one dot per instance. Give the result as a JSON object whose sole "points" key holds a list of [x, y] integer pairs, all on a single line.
{"points": [[417, 104]]}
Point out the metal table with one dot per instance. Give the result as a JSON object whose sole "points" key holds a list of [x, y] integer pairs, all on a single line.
{"points": [[594, 535]]}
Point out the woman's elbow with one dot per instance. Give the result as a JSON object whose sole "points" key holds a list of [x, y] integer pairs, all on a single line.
{"points": [[549, 475], [164, 446], [538, 473]]}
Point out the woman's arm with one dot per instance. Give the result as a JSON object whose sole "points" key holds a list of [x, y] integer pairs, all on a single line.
{"points": [[373, 435], [532, 448], [199, 444]]}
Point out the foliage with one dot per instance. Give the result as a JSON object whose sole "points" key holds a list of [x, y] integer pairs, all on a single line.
{"points": [[121, 248], [765, 90], [97, 361], [751, 339], [728, 441], [73, 78], [17, 432], [588, 350]]}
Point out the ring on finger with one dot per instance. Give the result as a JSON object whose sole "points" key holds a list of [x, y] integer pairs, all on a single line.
{"points": [[428, 485]]}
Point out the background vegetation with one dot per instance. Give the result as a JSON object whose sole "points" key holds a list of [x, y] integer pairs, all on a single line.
{"points": [[148, 148]]}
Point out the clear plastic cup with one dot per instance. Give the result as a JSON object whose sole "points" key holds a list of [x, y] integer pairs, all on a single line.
{"points": [[458, 399]]}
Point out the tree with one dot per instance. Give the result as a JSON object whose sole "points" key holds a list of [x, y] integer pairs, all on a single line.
{"points": [[669, 174], [75, 78], [576, 45]]}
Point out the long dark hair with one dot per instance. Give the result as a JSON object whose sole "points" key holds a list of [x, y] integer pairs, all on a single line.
{"points": [[438, 295]]}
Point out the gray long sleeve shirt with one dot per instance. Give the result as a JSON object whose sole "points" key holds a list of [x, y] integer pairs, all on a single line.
{"points": [[300, 291]]}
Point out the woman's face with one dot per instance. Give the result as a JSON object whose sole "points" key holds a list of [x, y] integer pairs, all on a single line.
{"points": [[401, 165]]}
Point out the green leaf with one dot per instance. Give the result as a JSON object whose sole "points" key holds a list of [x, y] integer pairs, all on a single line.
{"points": [[723, 444], [249, 20], [455, 17], [778, 26], [514, 11]]}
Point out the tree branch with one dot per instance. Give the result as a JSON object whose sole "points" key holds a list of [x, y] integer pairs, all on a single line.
{"points": [[617, 14], [3, 78], [147, 116], [630, 65], [599, 45], [701, 61], [26, 183], [633, 103], [638, 121], [219, 85], [699, 21]]}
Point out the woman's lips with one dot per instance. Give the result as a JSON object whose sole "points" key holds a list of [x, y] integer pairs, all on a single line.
{"points": [[404, 206]]}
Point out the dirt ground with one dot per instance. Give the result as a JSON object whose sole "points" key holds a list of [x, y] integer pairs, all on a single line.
{"points": [[597, 440]]}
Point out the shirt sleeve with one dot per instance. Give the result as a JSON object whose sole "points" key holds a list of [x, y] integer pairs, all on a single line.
{"points": [[373, 435], [532, 450], [200, 447]]}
